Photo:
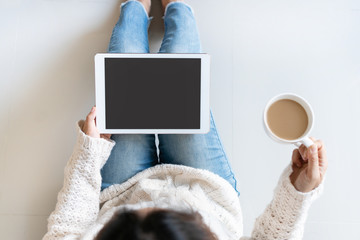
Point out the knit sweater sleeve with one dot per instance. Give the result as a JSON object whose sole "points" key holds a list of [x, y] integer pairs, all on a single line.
{"points": [[285, 216], [78, 201]]}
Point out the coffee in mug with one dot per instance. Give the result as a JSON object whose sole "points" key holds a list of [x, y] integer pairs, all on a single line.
{"points": [[288, 118]]}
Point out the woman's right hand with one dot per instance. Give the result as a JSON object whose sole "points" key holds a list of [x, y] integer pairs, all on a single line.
{"points": [[90, 128]]}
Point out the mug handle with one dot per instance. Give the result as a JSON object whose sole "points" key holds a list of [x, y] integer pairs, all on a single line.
{"points": [[306, 141]]}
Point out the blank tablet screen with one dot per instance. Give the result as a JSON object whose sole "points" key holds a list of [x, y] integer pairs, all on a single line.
{"points": [[152, 93]]}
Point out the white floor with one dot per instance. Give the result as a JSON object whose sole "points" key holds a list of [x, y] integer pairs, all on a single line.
{"points": [[258, 48]]}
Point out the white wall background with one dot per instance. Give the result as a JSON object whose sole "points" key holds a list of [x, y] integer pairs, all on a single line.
{"points": [[258, 48]]}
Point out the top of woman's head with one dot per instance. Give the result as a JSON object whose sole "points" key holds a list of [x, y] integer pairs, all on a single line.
{"points": [[156, 225]]}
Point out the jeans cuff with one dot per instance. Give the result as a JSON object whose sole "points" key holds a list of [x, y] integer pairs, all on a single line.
{"points": [[172, 3], [122, 4]]}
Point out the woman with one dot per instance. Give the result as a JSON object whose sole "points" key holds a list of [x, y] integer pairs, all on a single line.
{"points": [[117, 187]]}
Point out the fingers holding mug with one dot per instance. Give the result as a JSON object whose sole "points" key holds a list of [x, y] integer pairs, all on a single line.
{"points": [[323, 163], [304, 149], [297, 158], [303, 152]]}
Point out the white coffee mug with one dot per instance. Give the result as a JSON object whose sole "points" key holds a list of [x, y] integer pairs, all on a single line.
{"points": [[304, 139]]}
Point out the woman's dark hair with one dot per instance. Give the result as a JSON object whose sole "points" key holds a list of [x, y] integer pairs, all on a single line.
{"points": [[156, 225]]}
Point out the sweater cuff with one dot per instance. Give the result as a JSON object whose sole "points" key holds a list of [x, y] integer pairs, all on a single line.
{"points": [[288, 187], [95, 146], [289, 208]]}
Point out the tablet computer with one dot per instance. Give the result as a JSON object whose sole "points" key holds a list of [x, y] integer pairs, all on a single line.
{"points": [[152, 93]]}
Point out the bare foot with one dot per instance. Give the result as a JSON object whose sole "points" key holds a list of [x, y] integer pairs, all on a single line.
{"points": [[147, 5], [166, 2]]}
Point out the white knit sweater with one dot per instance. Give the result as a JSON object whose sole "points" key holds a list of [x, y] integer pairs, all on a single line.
{"points": [[82, 210]]}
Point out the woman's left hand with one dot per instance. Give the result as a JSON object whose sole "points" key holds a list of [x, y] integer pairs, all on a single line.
{"points": [[309, 166], [90, 128]]}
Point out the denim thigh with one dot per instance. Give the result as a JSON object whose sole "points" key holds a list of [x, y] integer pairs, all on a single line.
{"points": [[204, 151], [131, 154]]}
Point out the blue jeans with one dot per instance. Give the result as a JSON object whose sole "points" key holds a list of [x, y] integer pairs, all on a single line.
{"points": [[134, 153]]}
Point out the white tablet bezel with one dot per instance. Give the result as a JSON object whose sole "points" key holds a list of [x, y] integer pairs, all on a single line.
{"points": [[204, 97]]}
